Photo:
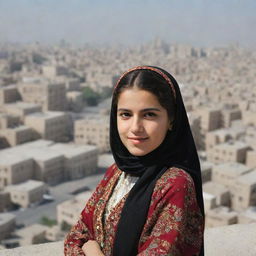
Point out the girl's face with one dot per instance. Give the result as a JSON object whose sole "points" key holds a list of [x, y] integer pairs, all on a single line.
{"points": [[142, 122]]}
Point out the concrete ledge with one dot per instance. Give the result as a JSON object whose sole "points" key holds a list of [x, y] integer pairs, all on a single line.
{"points": [[235, 240], [48, 249]]}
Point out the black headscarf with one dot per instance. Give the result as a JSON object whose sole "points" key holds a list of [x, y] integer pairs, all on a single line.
{"points": [[177, 150]]}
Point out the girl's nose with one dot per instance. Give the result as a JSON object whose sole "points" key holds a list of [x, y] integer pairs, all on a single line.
{"points": [[137, 125]]}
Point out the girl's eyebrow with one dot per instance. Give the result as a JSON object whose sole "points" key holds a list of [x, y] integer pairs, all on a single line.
{"points": [[143, 110]]}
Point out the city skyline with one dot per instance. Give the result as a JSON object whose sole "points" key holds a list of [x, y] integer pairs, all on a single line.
{"points": [[200, 23]]}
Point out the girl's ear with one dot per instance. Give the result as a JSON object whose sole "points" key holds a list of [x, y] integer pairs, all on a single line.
{"points": [[170, 126]]}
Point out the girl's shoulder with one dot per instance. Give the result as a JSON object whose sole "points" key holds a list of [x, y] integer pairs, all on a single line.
{"points": [[176, 178]]}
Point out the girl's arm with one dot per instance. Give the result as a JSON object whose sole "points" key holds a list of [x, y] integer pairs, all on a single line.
{"points": [[82, 231]]}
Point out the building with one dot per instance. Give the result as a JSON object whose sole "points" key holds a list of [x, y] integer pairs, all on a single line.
{"points": [[93, 130], [249, 117], [219, 192], [209, 201], [52, 125], [79, 160], [227, 173], [210, 119], [49, 165], [231, 151], [50, 95], [251, 158], [21, 109], [248, 216], [220, 216], [27, 193], [33, 234], [75, 101], [8, 94], [15, 169], [244, 192], [206, 171], [229, 115], [7, 224], [69, 211], [54, 233], [52, 71], [17, 135], [8, 121], [5, 201]]}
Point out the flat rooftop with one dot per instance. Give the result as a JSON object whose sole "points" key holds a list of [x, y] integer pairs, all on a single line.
{"points": [[70, 150], [249, 178], [214, 188], [22, 105], [47, 115], [233, 169], [10, 158], [26, 186], [232, 145], [6, 217]]}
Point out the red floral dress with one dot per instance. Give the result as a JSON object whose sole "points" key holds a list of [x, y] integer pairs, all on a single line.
{"points": [[174, 224]]}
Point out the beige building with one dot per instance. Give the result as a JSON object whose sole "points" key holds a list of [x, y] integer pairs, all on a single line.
{"points": [[8, 121], [228, 173], [248, 216], [7, 224], [251, 158], [223, 135], [27, 193], [75, 101], [17, 135], [220, 216], [209, 201], [8, 94], [49, 165], [50, 95], [244, 192], [54, 233], [52, 71], [14, 169], [219, 191], [72, 84], [79, 160], [21, 109], [229, 115], [33, 234], [93, 130], [231, 151], [194, 121], [249, 117], [206, 171], [50, 125], [210, 118], [69, 211], [5, 201]]}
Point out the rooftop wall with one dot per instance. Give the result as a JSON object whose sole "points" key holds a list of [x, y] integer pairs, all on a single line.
{"points": [[235, 240]]}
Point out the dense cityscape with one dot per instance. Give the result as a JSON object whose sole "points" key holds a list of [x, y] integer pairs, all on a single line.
{"points": [[54, 129]]}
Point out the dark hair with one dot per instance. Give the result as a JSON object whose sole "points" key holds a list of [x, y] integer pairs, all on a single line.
{"points": [[149, 81]]}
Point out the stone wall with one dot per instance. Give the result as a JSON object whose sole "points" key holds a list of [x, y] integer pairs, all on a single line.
{"points": [[235, 240]]}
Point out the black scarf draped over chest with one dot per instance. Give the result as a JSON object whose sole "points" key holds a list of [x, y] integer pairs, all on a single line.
{"points": [[177, 150]]}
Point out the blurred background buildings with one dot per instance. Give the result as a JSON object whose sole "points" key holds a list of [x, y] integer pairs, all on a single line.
{"points": [[55, 103]]}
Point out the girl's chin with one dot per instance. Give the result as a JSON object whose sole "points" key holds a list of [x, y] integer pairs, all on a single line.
{"points": [[139, 152]]}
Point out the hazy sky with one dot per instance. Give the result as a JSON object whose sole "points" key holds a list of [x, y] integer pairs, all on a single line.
{"points": [[197, 22]]}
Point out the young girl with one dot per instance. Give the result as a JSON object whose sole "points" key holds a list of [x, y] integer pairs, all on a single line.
{"points": [[150, 200]]}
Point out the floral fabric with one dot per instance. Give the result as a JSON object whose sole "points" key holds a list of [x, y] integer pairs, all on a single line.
{"points": [[174, 225]]}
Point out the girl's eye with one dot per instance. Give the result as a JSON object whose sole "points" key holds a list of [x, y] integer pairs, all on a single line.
{"points": [[124, 115], [150, 114]]}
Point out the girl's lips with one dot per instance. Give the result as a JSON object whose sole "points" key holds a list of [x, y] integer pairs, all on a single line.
{"points": [[137, 140]]}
